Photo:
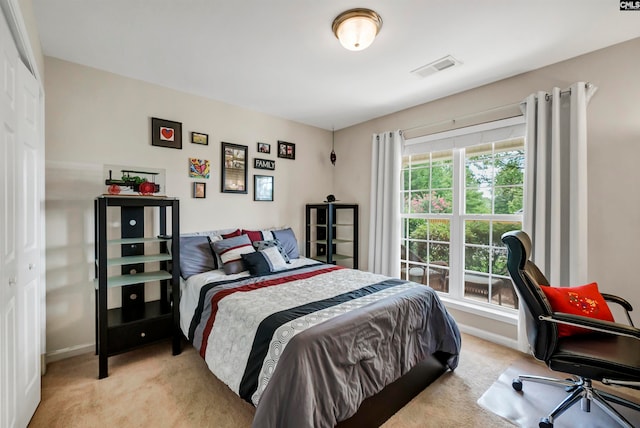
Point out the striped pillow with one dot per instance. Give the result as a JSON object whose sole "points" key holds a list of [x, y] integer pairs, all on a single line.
{"points": [[230, 252]]}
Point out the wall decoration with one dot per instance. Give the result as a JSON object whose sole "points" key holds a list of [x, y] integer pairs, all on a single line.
{"points": [[200, 138], [199, 168], [130, 180], [199, 190], [234, 168], [264, 164], [286, 150], [166, 133], [264, 148], [263, 187]]}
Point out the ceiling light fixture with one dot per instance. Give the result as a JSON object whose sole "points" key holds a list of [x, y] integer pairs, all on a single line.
{"points": [[356, 28]]}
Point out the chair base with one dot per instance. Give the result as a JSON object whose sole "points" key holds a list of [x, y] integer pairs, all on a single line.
{"points": [[579, 389]]}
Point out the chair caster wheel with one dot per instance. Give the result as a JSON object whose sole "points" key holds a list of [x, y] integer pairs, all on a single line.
{"points": [[544, 423], [516, 384]]}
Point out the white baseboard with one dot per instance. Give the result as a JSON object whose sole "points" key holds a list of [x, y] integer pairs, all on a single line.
{"points": [[488, 336], [61, 354]]}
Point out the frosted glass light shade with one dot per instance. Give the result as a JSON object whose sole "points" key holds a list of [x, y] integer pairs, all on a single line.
{"points": [[357, 28]]}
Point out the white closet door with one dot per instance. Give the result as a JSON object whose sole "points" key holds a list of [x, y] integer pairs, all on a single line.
{"points": [[20, 219], [8, 240], [28, 243]]}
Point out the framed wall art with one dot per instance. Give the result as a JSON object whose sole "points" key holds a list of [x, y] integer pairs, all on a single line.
{"points": [[199, 168], [264, 148], [263, 188], [200, 138], [166, 133], [199, 190], [234, 168], [286, 150]]}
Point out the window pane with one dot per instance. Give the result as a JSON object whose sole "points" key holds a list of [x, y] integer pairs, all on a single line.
{"points": [[439, 253], [417, 228], [476, 287], [509, 169], [508, 199], [476, 259], [500, 228], [499, 262], [442, 175], [440, 230], [418, 251], [477, 232], [441, 201], [478, 201]]}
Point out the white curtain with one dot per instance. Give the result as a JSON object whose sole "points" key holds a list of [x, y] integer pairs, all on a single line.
{"points": [[556, 183], [384, 223]]}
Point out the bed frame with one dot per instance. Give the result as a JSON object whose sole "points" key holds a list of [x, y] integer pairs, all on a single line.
{"points": [[375, 410]]}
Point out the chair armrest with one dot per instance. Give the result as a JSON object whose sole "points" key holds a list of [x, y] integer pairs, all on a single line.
{"points": [[593, 324], [622, 302], [619, 300]]}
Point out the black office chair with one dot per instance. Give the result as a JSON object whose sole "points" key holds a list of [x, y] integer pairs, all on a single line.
{"points": [[611, 354]]}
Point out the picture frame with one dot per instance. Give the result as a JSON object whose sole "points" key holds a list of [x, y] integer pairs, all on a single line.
{"points": [[286, 150], [234, 168], [199, 190], [263, 188], [166, 133], [199, 168], [264, 148], [200, 138]]}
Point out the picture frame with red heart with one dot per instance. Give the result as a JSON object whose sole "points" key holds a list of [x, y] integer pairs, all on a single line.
{"points": [[166, 133]]}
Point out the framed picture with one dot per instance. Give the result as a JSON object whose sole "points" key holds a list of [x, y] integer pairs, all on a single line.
{"points": [[264, 164], [263, 187], [199, 168], [200, 138], [234, 168], [286, 150], [199, 190], [264, 148], [166, 133]]}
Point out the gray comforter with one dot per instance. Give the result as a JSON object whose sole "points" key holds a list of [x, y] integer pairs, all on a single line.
{"points": [[307, 346]]}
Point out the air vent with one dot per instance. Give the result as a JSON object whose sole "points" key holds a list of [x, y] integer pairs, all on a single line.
{"points": [[438, 65]]}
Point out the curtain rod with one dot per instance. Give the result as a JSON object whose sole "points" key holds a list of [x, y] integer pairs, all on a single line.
{"points": [[468, 116]]}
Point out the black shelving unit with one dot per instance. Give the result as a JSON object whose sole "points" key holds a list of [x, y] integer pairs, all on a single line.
{"points": [[144, 258], [332, 233]]}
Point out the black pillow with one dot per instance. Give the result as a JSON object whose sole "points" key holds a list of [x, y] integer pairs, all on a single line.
{"points": [[257, 263]]}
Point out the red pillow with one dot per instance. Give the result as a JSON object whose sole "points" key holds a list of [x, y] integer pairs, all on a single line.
{"points": [[233, 234], [254, 235], [583, 300]]}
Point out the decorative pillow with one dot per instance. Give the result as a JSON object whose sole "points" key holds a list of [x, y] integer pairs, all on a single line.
{"points": [[583, 300], [258, 235], [288, 240], [265, 261], [195, 256], [262, 245], [236, 232], [230, 252]]}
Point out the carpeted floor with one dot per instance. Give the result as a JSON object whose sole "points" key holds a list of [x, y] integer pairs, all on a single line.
{"points": [[149, 387]]}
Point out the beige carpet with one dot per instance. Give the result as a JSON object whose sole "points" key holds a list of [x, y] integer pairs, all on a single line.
{"points": [[150, 388], [536, 400]]}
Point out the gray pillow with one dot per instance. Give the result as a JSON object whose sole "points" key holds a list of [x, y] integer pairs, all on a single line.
{"points": [[196, 256], [261, 245], [288, 240]]}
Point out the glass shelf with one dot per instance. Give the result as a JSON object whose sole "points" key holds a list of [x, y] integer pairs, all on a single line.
{"points": [[136, 240], [136, 278]]}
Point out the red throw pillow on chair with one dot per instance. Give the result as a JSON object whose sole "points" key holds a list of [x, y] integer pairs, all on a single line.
{"points": [[583, 300]]}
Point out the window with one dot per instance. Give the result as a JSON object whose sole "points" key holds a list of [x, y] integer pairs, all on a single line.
{"points": [[457, 203]]}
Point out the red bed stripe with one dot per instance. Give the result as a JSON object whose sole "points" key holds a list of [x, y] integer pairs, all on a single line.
{"points": [[250, 287]]}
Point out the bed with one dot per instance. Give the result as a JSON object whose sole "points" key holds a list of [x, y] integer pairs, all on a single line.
{"points": [[305, 342]]}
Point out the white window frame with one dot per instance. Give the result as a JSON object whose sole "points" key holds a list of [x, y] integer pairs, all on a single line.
{"points": [[457, 140]]}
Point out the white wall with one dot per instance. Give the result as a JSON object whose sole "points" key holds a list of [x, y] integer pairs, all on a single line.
{"points": [[613, 153], [95, 118]]}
